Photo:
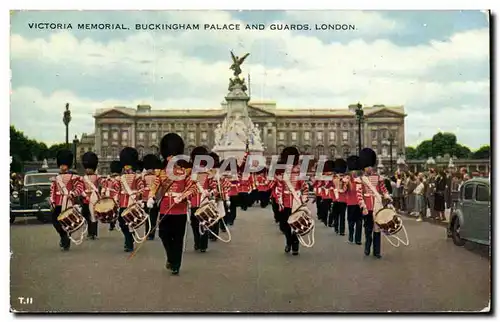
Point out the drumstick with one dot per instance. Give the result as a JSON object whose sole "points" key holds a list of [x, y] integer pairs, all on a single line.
{"points": [[156, 226]]}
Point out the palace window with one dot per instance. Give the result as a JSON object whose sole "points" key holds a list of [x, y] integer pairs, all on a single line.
{"points": [[115, 135], [282, 135], [307, 135], [114, 152], [319, 136], [153, 135], [191, 135], [203, 135], [332, 136], [294, 136], [105, 135], [374, 134], [384, 151], [124, 136], [345, 135], [269, 131], [141, 135]]}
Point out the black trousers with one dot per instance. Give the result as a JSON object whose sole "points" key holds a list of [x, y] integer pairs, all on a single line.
{"points": [[64, 242], [243, 198], [290, 237], [231, 210], [200, 240], [325, 209], [253, 197], [276, 210], [264, 198], [338, 212], [318, 206], [354, 222], [129, 240], [93, 227], [171, 231], [153, 216], [371, 236]]}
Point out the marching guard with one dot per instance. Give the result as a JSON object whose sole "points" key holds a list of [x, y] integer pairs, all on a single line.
{"points": [[273, 186], [354, 218], [111, 185], [263, 188], [290, 189], [64, 188], [93, 184], [150, 163], [327, 195], [171, 195], [131, 185], [368, 185], [202, 182], [317, 189], [233, 193], [339, 204]]}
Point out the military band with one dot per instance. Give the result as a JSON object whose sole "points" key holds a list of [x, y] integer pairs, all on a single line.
{"points": [[343, 187]]}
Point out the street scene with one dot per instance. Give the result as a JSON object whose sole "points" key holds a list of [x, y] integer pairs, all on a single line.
{"points": [[249, 274], [250, 161]]}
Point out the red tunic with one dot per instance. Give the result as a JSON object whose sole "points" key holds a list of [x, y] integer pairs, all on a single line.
{"points": [[97, 181], [339, 185], [149, 179], [351, 196], [327, 190], [136, 185], [300, 186], [203, 185], [220, 187], [262, 182], [182, 187], [245, 185], [365, 195], [74, 186], [111, 187]]}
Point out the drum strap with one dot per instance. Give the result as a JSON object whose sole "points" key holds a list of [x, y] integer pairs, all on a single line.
{"points": [[94, 196], [62, 187], [129, 192], [296, 205], [377, 204]]}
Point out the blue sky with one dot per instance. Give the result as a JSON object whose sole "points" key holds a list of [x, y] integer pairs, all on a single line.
{"points": [[435, 63]]}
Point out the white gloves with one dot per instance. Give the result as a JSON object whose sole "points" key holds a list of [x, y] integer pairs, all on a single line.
{"points": [[228, 203], [141, 203], [151, 202]]}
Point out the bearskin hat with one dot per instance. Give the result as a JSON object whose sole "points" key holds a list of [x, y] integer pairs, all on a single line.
{"points": [[64, 157], [171, 144], [216, 159], [139, 166], [150, 161], [340, 166], [329, 166], [158, 164], [353, 163], [90, 160], [290, 151], [115, 167], [129, 156], [367, 158]]}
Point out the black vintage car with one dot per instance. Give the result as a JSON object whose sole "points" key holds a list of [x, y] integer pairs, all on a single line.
{"points": [[31, 199]]}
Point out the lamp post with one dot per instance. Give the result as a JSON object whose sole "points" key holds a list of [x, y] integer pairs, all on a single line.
{"points": [[66, 120], [357, 109], [391, 142], [75, 143]]}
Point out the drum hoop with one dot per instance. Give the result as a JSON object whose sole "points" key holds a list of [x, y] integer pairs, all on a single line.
{"points": [[67, 211], [384, 209]]}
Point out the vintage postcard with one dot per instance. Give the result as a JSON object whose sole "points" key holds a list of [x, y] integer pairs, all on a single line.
{"points": [[250, 161]]}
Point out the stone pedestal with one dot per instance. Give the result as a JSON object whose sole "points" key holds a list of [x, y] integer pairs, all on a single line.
{"points": [[237, 128]]}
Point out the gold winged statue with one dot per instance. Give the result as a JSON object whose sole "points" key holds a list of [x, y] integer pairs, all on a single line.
{"points": [[237, 62]]}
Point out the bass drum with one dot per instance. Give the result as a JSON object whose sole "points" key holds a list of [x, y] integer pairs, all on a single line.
{"points": [[390, 223], [302, 224]]}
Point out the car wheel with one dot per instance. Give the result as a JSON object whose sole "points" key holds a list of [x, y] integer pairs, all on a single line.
{"points": [[12, 218], [455, 233]]}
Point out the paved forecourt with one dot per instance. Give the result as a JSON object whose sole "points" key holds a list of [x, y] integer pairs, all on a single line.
{"points": [[251, 273]]}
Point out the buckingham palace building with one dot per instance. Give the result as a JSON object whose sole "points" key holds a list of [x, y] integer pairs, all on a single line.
{"points": [[332, 132]]}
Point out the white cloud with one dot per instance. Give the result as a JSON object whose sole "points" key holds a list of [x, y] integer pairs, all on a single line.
{"points": [[318, 74]]}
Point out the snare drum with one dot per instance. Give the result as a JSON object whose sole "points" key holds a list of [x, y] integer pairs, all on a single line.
{"points": [[106, 210], [388, 221], [301, 222], [71, 220], [134, 216], [207, 214]]}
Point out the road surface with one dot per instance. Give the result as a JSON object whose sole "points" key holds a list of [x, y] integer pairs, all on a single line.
{"points": [[250, 274]]}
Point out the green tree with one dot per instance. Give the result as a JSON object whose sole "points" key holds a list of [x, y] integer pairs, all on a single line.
{"points": [[425, 150], [445, 143], [410, 153], [482, 153], [461, 152]]}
